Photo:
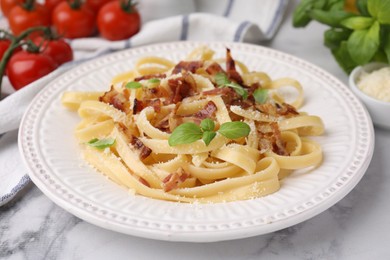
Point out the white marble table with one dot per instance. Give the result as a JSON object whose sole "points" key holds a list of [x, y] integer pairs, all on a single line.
{"points": [[358, 227]]}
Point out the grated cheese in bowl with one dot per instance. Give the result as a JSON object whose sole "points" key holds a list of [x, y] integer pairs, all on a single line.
{"points": [[376, 83]]}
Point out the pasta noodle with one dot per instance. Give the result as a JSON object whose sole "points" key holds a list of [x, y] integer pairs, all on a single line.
{"points": [[201, 130]]}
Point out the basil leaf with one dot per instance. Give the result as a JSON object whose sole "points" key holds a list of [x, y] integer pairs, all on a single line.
{"points": [[207, 124], [133, 85], [358, 23], [343, 57], [301, 16], [331, 18], [363, 44], [154, 81], [221, 79], [386, 42], [102, 143], [334, 36], [362, 7], [379, 9], [234, 130], [208, 136], [260, 95], [185, 134], [335, 5]]}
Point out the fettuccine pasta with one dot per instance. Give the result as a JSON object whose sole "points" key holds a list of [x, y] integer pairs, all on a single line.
{"points": [[203, 129]]}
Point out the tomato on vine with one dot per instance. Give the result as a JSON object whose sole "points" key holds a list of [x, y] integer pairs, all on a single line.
{"points": [[27, 15], [7, 5], [50, 4], [58, 49], [95, 5], [118, 20], [25, 67], [74, 19]]}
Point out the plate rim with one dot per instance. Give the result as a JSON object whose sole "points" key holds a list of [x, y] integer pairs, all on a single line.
{"points": [[202, 235]]}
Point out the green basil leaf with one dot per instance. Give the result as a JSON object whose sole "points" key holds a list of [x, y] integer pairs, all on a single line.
{"points": [[343, 57], [133, 85], [362, 7], [331, 18], [185, 134], [221, 79], [207, 124], [102, 143], [363, 44], [208, 136], [334, 36], [154, 81], [301, 13], [380, 9], [335, 5], [260, 95], [386, 42], [358, 22], [234, 130]]}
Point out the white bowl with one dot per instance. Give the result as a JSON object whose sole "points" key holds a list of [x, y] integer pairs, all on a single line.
{"points": [[379, 110]]}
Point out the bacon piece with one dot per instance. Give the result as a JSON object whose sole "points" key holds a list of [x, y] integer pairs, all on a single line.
{"points": [[190, 66], [144, 182], [231, 68], [138, 106], [181, 87], [271, 138], [151, 76], [218, 91], [116, 99], [207, 112], [174, 179], [286, 110], [214, 68], [139, 145]]}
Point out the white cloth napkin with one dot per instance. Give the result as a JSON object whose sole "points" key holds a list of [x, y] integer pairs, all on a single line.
{"points": [[250, 21]]}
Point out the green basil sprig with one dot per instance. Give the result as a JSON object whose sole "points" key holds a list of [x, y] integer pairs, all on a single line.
{"points": [[222, 81], [101, 143], [355, 37], [190, 132]]}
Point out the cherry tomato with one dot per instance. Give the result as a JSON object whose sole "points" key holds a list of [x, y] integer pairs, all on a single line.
{"points": [[4, 44], [95, 5], [21, 18], [118, 20], [7, 5], [73, 21], [58, 49], [50, 4], [25, 67]]}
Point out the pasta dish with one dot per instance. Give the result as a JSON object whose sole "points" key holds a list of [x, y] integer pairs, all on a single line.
{"points": [[205, 129]]}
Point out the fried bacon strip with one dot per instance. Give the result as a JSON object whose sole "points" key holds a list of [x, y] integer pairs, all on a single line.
{"points": [[190, 66], [182, 87], [174, 179], [231, 68], [151, 76], [208, 111], [144, 151], [116, 99], [271, 139]]}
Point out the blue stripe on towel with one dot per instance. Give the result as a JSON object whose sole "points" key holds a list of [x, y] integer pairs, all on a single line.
{"points": [[274, 22], [228, 8], [22, 183], [127, 44], [185, 23], [240, 30]]}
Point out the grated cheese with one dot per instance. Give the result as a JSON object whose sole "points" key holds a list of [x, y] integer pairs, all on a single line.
{"points": [[376, 84]]}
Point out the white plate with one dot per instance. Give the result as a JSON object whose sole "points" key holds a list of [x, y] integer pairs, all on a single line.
{"points": [[52, 156]]}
